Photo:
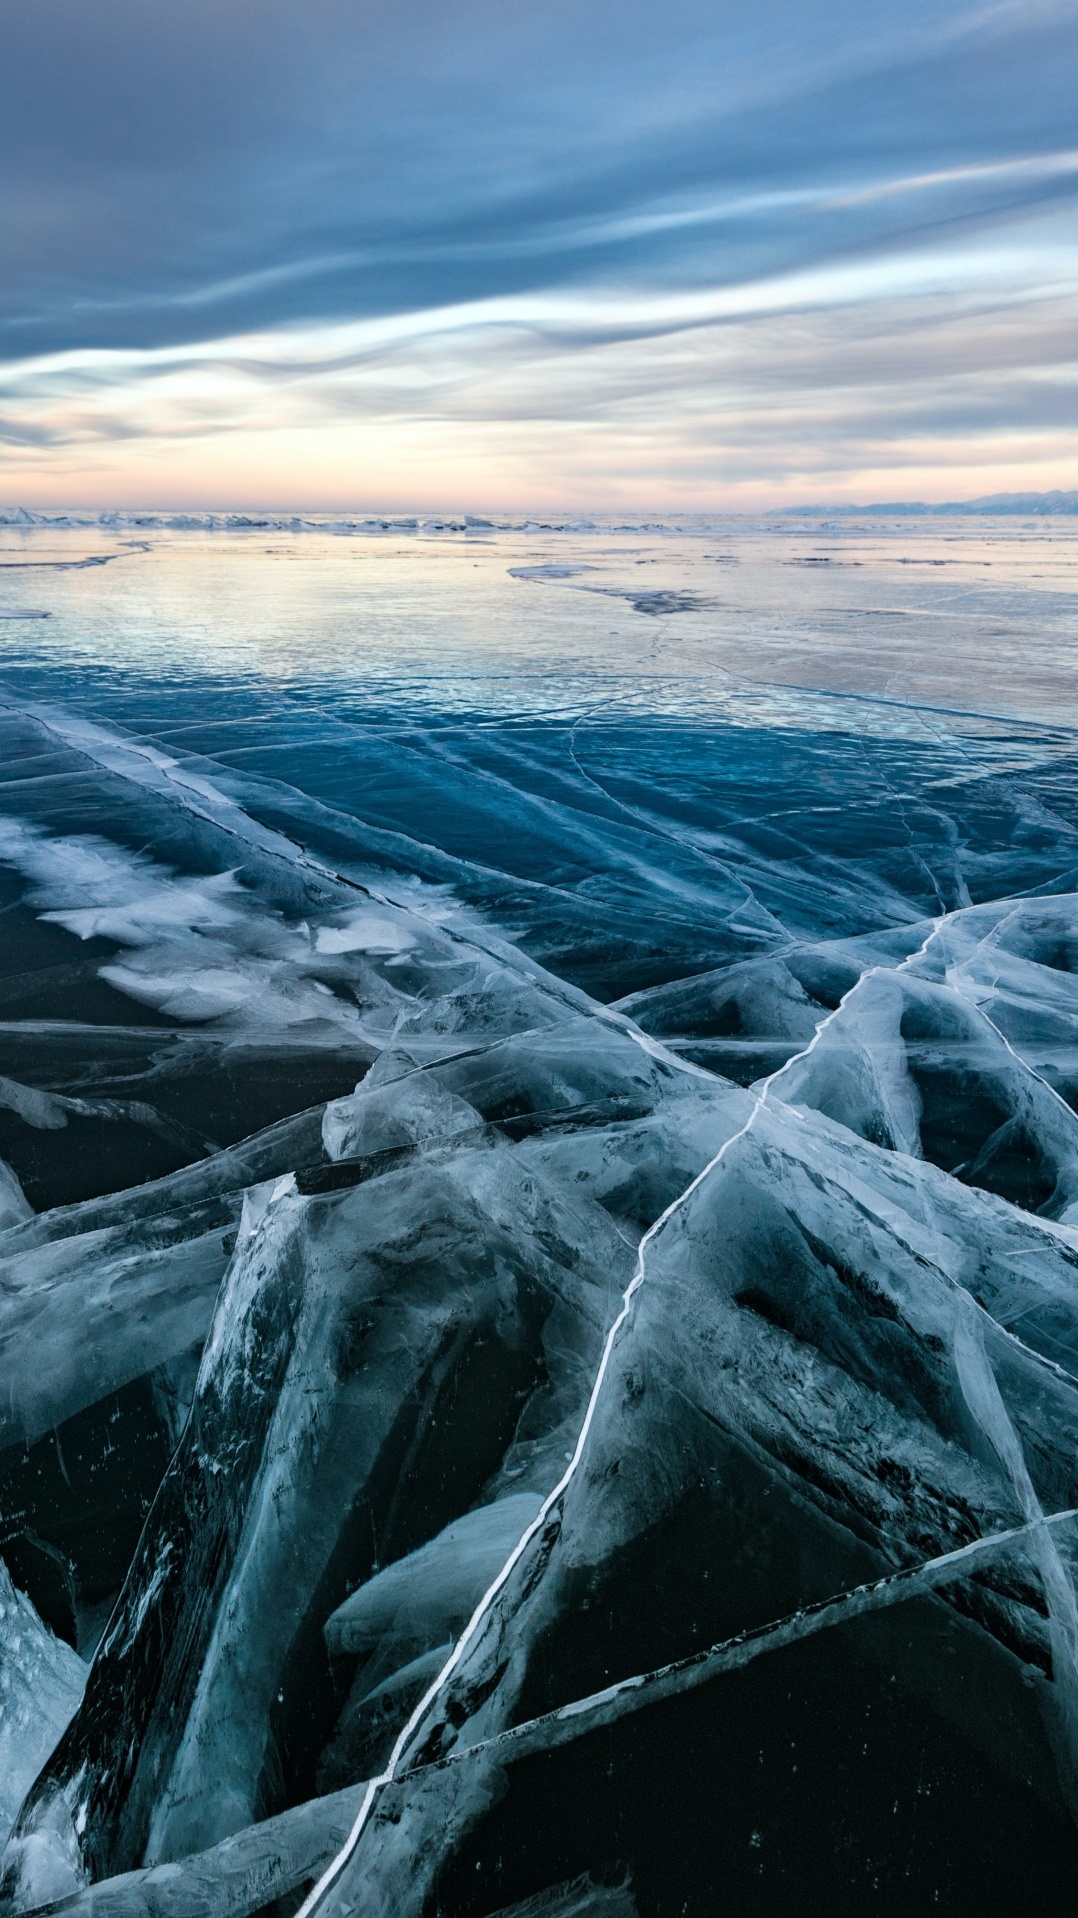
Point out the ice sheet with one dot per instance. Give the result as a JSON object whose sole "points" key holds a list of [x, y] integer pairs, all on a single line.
{"points": [[539, 1266]]}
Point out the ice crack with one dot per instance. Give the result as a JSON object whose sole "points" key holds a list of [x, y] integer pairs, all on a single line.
{"points": [[475, 1624]]}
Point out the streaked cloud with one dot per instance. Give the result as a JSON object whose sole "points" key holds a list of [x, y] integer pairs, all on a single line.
{"points": [[409, 254]]}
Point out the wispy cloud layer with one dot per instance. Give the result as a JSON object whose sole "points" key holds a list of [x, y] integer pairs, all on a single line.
{"points": [[496, 253]]}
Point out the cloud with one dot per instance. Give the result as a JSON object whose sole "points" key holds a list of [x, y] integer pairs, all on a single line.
{"points": [[639, 229]]}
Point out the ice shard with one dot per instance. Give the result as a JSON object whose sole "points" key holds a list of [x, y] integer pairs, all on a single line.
{"points": [[41, 1683]]}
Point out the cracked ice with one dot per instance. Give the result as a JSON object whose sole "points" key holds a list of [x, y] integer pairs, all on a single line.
{"points": [[538, 1272]]}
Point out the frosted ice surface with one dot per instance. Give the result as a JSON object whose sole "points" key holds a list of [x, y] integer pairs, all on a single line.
{"points": [[41, 1683], [411, 1110], [538, 1285], [14, 1206], [245, 1873]]}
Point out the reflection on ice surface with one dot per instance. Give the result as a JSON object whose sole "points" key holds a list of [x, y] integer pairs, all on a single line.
{"points": [[538, 1227]]}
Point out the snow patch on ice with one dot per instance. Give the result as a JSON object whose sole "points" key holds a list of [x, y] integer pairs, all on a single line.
{"points": [[365, 931]]}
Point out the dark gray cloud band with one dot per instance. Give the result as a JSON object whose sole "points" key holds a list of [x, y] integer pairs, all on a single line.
{"points": [[199, 168]]}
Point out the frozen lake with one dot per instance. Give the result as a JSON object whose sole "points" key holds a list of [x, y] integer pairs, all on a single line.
{"points": [[538, 1090]]}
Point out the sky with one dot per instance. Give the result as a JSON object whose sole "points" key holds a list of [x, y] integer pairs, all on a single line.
{"points": [[570, 254]]}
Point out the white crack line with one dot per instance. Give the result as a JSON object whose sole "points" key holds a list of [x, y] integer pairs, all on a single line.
{"points": [[478, 1619], [563, 1723]]}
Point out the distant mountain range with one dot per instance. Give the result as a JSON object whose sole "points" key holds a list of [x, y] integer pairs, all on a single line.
{"points": [[1025, 505]]}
